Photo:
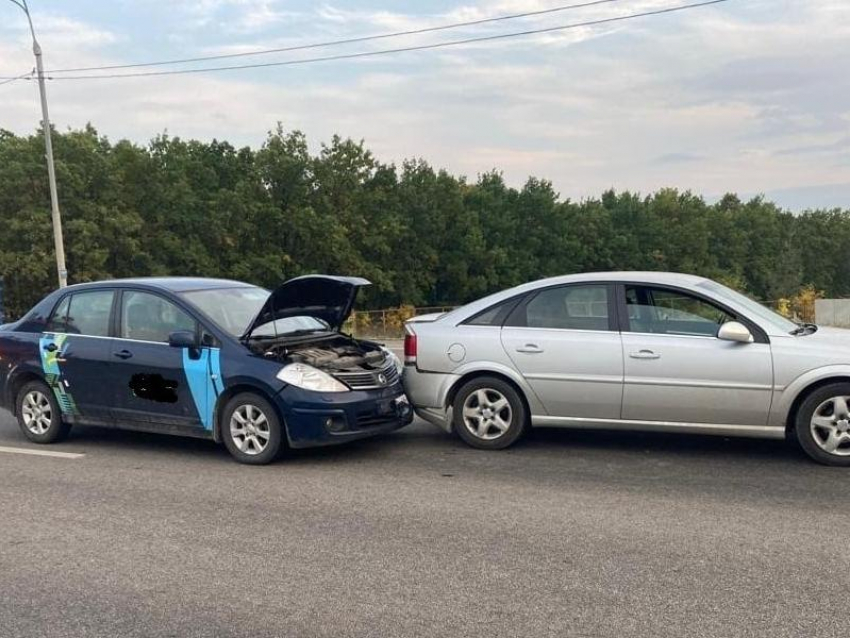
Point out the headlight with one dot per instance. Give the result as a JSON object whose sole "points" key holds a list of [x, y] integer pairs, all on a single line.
{"points": [[303, 376], [399, 366]]}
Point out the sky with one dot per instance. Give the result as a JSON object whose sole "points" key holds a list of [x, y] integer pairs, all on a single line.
{"points": [[748, 96]]}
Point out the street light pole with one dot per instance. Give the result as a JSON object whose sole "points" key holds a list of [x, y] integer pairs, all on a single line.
{"points": [[58, 241]]}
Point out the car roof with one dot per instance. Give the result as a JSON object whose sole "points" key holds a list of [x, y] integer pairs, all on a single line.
{"points": [[626, 276], [172, 284], [649, 276], [629, 276]]}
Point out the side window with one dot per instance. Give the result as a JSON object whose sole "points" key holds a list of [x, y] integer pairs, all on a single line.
{"points": [[87, 313], [663, 311], [568, 308], [59, 318], [149, 317], [495, 315]]}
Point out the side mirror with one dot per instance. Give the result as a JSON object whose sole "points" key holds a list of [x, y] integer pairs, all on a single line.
{"points": [[183, 339], [735, 331]]}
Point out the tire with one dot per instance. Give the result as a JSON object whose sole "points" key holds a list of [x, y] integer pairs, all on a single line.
{"points": [[39, 415], [480, 421], [822, 425], [251, 429]]}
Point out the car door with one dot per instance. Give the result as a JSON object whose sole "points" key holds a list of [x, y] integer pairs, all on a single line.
{"points": [[565, 343], [75, 354], [677, 370], [150, 379]]}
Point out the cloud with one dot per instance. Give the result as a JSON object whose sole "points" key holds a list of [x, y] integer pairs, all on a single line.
{"points": [[679, 158], [749, 97], [62, 32], [235, 16], [62, 38], [839, 148]]}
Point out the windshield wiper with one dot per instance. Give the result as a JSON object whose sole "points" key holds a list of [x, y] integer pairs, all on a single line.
{"points": [[303, 331], [293, 333]]}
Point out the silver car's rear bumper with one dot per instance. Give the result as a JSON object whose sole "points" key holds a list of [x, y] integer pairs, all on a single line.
{"points": [[436, 416], [427, 392]]}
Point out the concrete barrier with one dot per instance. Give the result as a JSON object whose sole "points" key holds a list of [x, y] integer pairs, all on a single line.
{"points": [[833, 312]]}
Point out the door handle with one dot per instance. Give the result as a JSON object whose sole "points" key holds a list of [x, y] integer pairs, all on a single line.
{"points": [[123, 354], [644, 354], [530, 348]]}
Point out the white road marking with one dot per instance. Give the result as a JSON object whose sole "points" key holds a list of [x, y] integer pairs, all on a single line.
{"points": [[58, 455]]}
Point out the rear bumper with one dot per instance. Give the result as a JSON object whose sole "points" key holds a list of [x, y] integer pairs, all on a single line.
{"points": [[428, 392], [315, 419], [436, 416]]}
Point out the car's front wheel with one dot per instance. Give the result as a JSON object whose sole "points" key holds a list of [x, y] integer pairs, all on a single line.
{"points": [[489, 414], [823, 425], [38, 413], [251, 430]]}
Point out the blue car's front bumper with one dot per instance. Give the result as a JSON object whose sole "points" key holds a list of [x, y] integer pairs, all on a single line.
{"points": [[326, 418]]}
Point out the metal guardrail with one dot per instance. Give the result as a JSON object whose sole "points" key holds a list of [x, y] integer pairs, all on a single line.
{"points": [[387, 323]]}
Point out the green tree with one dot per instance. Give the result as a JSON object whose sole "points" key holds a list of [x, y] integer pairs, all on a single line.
{"points": [[423, 236]]}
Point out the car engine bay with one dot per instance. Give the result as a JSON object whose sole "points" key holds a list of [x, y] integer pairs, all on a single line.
{"points": [[331, 353]]}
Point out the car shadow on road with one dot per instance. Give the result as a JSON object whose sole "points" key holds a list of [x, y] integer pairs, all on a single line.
{"points": [[661, 464], [639, 464], [420, 444], [681, 445], [540, 441]]}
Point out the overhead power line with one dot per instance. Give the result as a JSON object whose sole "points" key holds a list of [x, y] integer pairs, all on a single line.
{"points": [[364, 54], [23, 76], [331, 43]]}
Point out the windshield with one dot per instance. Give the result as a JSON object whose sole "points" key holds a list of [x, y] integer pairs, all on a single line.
{"points": [[232, 309], [752, 307]]}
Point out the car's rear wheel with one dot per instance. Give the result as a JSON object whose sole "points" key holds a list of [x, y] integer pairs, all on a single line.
{"points": [[823, 425], [251, 429], [489, 414], [39, 416]]}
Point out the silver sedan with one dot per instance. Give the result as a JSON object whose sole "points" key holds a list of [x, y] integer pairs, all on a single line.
{"points": [[629, 350]]}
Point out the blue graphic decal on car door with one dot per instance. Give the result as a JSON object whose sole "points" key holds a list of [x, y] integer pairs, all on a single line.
{"points": [[203, 373], [52, 348]]}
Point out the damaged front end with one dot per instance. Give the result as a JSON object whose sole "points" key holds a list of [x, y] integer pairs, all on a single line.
{"points": [[357, 365], [338, 388], [299, 326]]}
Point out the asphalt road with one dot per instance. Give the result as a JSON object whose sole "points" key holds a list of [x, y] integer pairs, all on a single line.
{"points": [[413, 534]]}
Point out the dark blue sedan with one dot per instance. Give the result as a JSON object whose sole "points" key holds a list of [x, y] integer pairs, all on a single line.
{"points": [[208, 358]]}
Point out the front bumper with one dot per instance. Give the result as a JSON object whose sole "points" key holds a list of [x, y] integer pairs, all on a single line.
{"points": [[328, 418]]}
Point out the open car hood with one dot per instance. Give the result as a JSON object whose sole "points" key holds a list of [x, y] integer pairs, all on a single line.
{"points": [[326, 297]]}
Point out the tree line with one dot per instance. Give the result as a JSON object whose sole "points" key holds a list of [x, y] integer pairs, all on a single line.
{"points": [[423, 236]]}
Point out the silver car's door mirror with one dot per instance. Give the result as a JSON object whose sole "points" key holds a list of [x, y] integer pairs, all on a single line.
{"points": [[735, 331]]}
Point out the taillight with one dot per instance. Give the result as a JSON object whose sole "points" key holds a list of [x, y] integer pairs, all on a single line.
{"points": [[410, 348]]}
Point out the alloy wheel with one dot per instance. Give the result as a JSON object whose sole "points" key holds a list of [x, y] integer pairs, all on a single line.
{"points": [[487, 414], [249, 429], [830, 426], [37, 412]]}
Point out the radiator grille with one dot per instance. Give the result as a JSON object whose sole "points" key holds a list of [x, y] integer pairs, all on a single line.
{"points": [[369, 379]]}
